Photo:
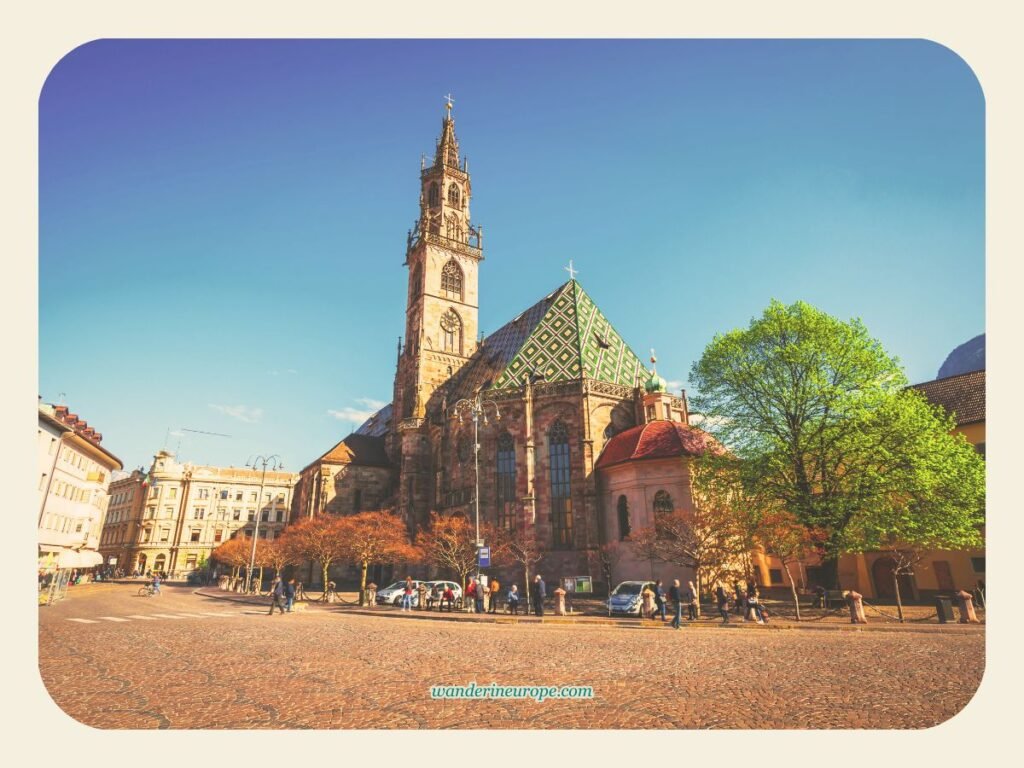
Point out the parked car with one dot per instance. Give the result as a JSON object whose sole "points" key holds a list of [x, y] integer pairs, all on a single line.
{"points": [[627, 597], [392, 594]]}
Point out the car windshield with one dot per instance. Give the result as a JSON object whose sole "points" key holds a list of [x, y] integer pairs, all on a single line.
{"points": [[628, 589]]}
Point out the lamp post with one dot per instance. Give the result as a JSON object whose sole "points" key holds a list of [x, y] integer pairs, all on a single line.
{"points": [[477, 409], [275, 464]]}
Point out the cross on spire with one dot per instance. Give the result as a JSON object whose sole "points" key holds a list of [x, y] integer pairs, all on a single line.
{"points": [[450, 100], [572, 272]]}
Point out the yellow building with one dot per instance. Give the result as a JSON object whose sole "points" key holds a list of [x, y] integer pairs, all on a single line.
{"points": [[124, 513], [188, 510]]}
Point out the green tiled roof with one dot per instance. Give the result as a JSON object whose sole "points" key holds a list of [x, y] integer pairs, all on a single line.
{"points": [[572, 340]]}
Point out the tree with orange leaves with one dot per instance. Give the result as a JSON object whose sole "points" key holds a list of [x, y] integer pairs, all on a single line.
{"points": [[450, 544], [233, 553], [374, 537], [320, 538], [780, 533]]}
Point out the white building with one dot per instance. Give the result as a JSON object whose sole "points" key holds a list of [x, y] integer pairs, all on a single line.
{"points": [[74, 474]]}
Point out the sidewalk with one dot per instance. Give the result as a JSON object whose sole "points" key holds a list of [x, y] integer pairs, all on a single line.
{"points": [[549, 619]]}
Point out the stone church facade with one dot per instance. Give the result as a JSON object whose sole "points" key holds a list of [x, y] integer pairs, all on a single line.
{"points": [[556, 384]]}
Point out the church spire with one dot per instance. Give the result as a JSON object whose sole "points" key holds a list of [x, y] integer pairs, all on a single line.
{"points": [[447, 151]]}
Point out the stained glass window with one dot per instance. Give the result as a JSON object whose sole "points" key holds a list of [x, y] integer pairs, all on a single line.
{"points": [[561, 487], [506, 481]]}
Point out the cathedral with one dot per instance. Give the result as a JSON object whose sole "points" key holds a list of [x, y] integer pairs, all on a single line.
{"points": [[579, 442]]}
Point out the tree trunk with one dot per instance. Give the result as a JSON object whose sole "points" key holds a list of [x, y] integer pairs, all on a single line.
{"points": [[362, 584], [324, 566], [526, 592], [696, 576], [792, 587], [896, 584]]}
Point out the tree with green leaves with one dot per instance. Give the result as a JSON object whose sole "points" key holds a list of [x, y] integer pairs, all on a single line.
{"points": [[923, 487], [818, 415], [785, 395]]}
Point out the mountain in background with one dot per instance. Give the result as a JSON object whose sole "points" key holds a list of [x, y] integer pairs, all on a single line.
{"points": [[969, 356]]}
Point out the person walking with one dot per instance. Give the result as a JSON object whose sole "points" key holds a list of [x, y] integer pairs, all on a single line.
{"points": [[723, 603], [513, 600], [407, 594], [659, 599], [494, 587], [676, 596], [539, 593], [277, 596], [469, 594], [691, 601], [289, 595]]}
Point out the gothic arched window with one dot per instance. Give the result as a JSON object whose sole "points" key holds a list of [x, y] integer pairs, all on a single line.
{"points": [[506, 482], [623, 510], [433, 195], [451, 332], [561, 486], [416, 284], [453, 195], [663, 506], [451, 280], [453, 228]]}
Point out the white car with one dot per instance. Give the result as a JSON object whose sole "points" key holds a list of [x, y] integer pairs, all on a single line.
{"points": [[393, 593]]}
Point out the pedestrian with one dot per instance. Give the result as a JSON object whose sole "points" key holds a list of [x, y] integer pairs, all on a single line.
{"points": [[289, 595], [156, 583], [659, 599], [691, 601], [276, 596], [448, 596], [495, 586], [647, 610], [676, 596], [819, 597], [539, 593], [513, 600], [741, 599], [756, 610], [723, 603], [407, 594], [470, 594], [479, 591]]}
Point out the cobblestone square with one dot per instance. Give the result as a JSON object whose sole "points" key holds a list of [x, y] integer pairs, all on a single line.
{"points": [[112, 659]]}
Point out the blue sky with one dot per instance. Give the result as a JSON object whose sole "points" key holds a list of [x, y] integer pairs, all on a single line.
{"points": [[222, 223]]}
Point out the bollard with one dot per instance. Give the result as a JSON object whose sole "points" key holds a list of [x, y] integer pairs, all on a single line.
{"points": [[855, 601], [966, 604], [371, 595], [560, 602]]}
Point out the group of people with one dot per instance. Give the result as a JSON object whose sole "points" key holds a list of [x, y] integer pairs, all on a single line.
{"points": [[282, 595], [655, 601]]}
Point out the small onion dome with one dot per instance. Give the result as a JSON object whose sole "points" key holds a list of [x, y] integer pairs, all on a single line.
{"points": [[656, 384]]}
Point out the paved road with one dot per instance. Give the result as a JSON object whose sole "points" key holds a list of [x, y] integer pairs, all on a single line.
{"points": [[114, 660]]}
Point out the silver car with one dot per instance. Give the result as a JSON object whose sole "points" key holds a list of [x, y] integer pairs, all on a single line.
{"points": [[628, 597]]}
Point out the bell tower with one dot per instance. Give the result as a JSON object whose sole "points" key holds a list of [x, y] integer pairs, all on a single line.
{"points": [[443, 254]]}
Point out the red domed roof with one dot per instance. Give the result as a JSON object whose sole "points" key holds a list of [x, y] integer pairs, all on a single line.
{"points": [[660, 439]]}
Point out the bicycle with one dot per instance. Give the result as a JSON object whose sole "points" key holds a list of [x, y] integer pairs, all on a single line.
{"points": [[146, 590]]}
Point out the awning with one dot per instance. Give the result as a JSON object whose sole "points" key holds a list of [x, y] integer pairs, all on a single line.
{"points": [[85, 558]]}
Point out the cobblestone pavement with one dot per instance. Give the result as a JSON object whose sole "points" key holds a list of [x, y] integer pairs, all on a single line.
{"points": [[185, 661]]}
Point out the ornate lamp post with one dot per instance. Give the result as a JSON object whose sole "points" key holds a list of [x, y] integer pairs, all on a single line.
{"points": [[275, 464], [476, 409]]}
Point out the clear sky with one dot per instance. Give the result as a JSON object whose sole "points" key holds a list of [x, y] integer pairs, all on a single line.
{"points": [[222, 223]]}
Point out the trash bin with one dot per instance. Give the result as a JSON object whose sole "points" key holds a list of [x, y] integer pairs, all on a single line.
{"points": [[944, 608]]}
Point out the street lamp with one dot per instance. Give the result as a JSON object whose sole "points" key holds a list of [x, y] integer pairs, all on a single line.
{"points": [[476, 408], [275, 464]]}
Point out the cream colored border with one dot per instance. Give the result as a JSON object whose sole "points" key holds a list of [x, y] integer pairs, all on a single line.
{"points": [[38, 35]]}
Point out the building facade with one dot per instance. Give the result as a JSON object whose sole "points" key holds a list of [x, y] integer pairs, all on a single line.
{"points": [[120, 527], [74, 475], [552, 386], [186, 510]]}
